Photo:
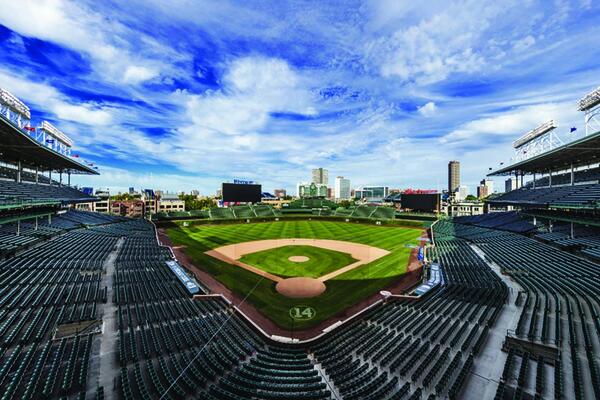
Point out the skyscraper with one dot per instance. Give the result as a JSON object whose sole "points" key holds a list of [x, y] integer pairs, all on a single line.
{"points": [[342, 188], [453, 176], [485, 188], [320, 175], [511, 183]]}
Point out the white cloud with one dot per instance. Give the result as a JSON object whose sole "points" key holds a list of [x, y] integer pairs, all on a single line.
{"points": [[137, 74], [524, 43], [512, 124], [86, 115], [71, 25], [428, 109], [48, 98], [435, 47], [254, 87]]}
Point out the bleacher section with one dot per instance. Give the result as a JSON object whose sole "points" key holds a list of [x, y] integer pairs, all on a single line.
{"points": [[508, 221], [31, 191], [234, 212], [180, 215], [13, 238], [366, 211], [383, 213], [243, 211], [312, 203], [221, 213], [49, 298], [591, 175], [585, 238], [576, 196], [408, 348], [343, 212], [11, 173], [265, 211], [560, 292]]}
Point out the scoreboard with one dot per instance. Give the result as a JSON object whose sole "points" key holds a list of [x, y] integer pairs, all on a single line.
{"points": [[241, 193], [427, 202]]}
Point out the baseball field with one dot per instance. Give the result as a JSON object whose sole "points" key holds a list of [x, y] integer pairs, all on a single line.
{"points": [[352, 260]]}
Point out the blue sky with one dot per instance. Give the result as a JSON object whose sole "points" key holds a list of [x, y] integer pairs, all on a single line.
{"points": [[190, 94]]}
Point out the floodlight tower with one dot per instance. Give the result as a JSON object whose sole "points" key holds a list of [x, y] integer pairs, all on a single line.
{"points": [[54, 138], [590, 104], [537, 141], [14, 109]]}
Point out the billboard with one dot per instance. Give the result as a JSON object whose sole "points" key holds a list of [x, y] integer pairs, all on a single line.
{"points": [[428, 202], [241, 193]]}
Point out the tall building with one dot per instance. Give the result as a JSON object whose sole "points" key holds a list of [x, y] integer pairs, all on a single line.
{"points": [[170, 202], [485, 188], [342, 188], [461, 193], [150, 200], [131, 208], [511, 183], [373, 194], [453, 176], [311, 190], [320, 175], [280, 193]]}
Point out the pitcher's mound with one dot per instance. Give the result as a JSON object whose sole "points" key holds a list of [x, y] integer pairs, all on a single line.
{"points": [[298, 258], [300, 287]]}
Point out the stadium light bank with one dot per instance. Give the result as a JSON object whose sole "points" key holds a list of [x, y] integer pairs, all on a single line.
{"points": [[590, 104], [14, 109], [537, 140]]}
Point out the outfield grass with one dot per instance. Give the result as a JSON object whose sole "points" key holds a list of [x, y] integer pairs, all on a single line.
{"points": [[342, 291], [320, 261]]}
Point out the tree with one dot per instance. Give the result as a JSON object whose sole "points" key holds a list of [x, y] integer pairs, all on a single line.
{"points": [[125, 197], [345, 203], [471, 198], [193, 203]]}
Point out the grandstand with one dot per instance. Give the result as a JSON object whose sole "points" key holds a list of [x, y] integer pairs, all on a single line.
{"points": [[571, 181], [509, 221]]}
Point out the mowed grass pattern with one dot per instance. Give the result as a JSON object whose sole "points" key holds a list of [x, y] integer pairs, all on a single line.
{"points": [[320, 261], [342, 292]]}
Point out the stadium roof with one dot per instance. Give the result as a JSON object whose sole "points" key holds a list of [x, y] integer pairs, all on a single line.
{"points": [[16, 145], [580, 152]]}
